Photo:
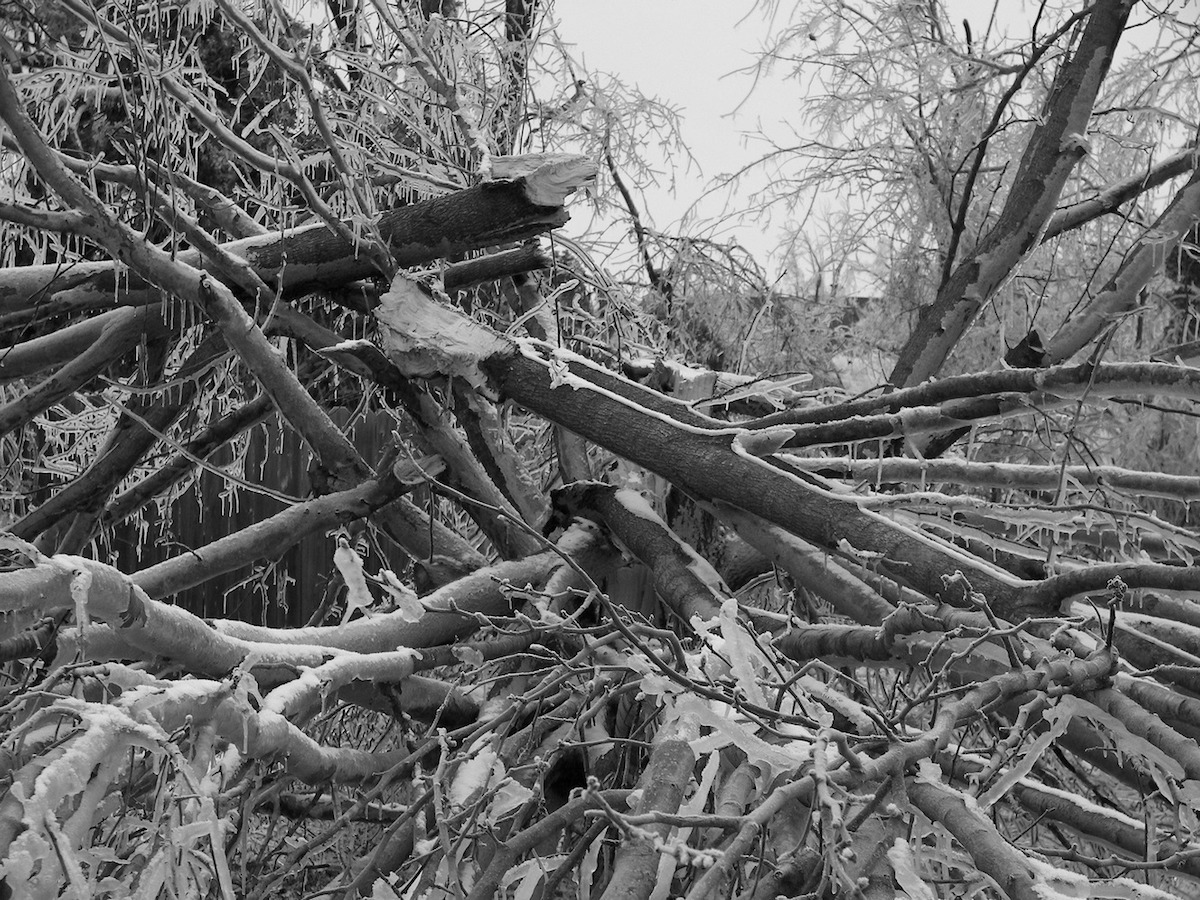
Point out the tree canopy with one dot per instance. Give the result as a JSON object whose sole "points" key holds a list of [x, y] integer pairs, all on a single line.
{"points": [[365, 535]]}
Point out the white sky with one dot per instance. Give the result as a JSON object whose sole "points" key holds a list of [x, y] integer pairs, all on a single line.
{"points": [[685, 53]]}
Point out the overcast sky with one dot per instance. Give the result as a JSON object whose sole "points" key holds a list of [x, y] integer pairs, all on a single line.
{"points": [[686, 53]]}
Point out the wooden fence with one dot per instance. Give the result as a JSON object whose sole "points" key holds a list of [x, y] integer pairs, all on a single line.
{"points": [[278, 593]]}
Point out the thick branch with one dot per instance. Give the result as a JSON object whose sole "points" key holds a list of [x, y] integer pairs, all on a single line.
{"points": [[687, 583], [1143, 262], [1112, 198], [663, 783], [451, 609], [988, 849], [1002, 475], [1050, 157], [809, 566]]}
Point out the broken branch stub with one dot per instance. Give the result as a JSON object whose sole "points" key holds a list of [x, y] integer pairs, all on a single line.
{"points": [[547, 179], [425, 338]]}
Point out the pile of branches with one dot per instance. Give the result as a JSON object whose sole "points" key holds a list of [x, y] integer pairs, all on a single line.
{"points": [[634, 631]]}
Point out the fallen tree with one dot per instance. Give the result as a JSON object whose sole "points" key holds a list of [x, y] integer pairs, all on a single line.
{"points": [[630, 627]]}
